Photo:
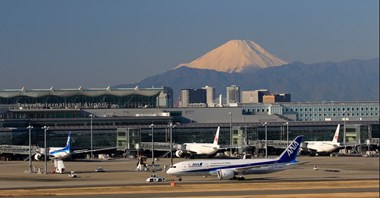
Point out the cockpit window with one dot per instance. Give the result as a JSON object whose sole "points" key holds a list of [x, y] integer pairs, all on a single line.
{"points": [[173, 167]]}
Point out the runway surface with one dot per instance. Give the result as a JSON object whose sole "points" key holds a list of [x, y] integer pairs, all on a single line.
{"points": [[335, 177]]}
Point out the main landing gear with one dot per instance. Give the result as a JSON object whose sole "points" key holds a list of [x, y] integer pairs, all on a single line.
{"points": [[240, 178]]}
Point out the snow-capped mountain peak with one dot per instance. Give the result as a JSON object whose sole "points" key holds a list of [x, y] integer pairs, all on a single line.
{"points": [[236, 56]]}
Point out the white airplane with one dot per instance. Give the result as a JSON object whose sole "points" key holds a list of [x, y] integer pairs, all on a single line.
{"points": [[191, 149], [57, 153], [323, 147], [235, 168]]}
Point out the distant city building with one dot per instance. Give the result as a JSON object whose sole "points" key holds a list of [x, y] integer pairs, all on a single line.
{"points": [[184, 102], [193, 97], [256, 96], [274, 98], [233, 95], [220, 101], [210, 95], [317, 111], [203, 97]]}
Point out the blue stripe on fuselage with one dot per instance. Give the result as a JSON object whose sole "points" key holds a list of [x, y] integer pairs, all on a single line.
{"points": [[65, 150], [233, 166]]}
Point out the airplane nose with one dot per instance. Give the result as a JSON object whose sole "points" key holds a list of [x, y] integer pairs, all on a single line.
{"points": [[171, 171]]}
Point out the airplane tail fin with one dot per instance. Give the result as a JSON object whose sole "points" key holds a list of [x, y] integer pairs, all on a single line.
{"points": [[216, 139], [68, 143], [291, 151], [336, 135]]}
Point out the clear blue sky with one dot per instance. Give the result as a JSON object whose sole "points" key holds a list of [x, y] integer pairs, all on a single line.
{"points": [[72, 43]]}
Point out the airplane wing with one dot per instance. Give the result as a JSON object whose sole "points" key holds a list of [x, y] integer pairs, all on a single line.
{"points": [[302, 163], [263, 168], [94, 150]]}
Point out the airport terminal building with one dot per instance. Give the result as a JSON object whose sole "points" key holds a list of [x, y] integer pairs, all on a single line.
{"points": [[121, 117], [87, 98]]}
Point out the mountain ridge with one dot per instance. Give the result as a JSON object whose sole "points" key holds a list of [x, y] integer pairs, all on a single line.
{"points": [[353, 80]]}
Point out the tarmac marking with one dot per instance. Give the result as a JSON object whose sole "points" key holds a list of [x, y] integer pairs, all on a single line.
{"points": [[240, 189]]}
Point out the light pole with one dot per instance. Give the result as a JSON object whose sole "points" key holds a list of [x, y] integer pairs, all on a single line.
{"points": [[152, 126], [230, 113], [45, 152], [171, 126], [30, 147], [344, 130], [266, 140], [246, 136], [91, 153], [287, 134]]}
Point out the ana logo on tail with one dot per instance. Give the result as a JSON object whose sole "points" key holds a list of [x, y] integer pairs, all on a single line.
{"points": [[292, 148], [290, 154]]}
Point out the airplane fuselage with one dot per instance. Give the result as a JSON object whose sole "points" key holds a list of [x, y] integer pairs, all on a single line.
{"points": [[322, 146], [209, 167], [56, 152], [60, 154], [202, 149]]}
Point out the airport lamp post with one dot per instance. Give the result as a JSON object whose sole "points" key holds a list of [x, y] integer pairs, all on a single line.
{"points": [[30, 147], [152, 126], [45, 152], [246, 136], [287, 134], [344, 131], [266, 140], [171, 143], [230, 113], [91, 153]]}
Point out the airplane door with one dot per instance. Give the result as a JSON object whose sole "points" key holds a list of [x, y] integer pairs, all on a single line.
{"points": [[206, 165]]}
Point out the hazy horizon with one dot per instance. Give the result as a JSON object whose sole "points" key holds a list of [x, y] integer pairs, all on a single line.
{"points": [[67, 44]]}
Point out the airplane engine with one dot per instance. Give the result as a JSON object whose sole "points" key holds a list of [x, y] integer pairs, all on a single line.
{"points": [[225, 174], [38, 156], [304, 145], [179, 153]]}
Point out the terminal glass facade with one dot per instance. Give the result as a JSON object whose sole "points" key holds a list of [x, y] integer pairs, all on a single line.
{"points": [[87, 98]]}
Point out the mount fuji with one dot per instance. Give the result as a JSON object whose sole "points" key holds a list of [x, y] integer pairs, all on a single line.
{"points": [[236, 56]]}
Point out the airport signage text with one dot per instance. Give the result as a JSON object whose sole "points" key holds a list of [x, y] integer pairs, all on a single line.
{"points": [[62, 105]]}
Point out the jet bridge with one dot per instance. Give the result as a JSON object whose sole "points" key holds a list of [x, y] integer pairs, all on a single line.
{"points": [[17, 150], [158, 146]]}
